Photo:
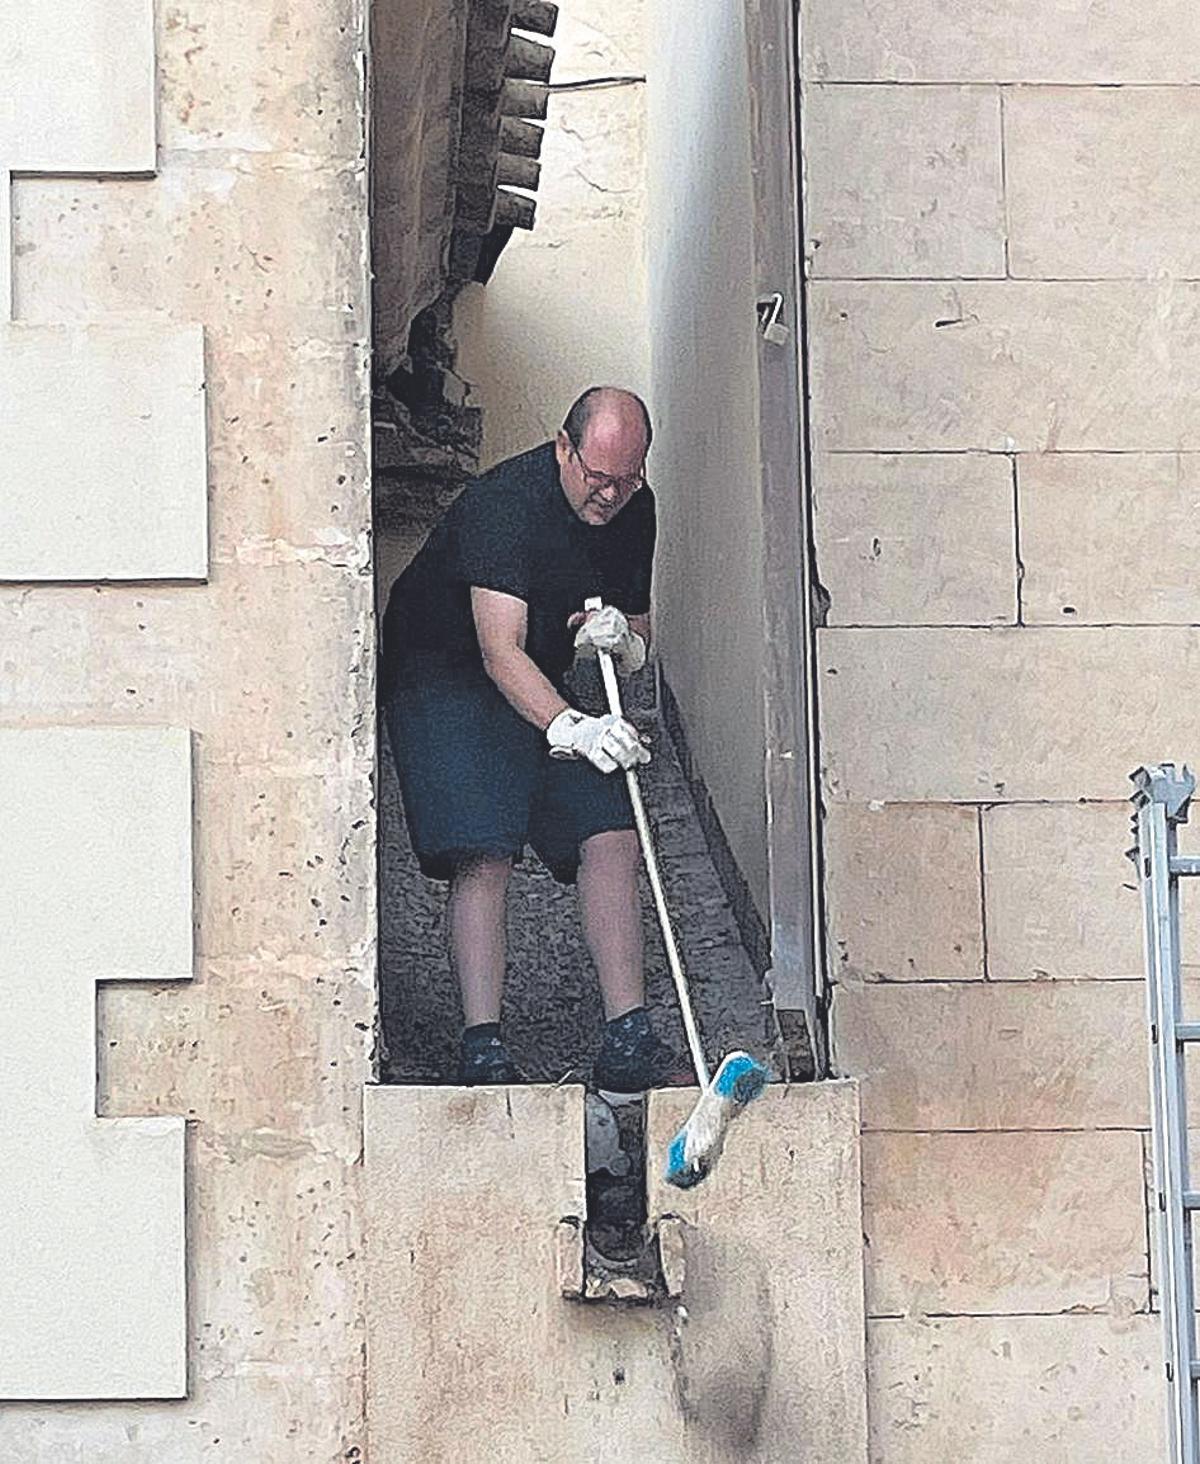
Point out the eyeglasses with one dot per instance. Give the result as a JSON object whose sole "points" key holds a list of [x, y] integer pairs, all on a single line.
{"points": [[596, 481]]}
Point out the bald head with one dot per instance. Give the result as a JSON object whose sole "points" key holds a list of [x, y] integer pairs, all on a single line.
{"points": [[601, 452], [612, 415]]}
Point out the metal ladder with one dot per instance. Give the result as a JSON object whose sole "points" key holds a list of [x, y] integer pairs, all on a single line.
{"points": [[1161, 802]]}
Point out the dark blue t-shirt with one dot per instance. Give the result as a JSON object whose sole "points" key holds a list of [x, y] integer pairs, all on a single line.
{"points": [[513, 530]]}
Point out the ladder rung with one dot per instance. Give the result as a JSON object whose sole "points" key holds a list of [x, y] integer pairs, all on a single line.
{"points": [[1187, 1032], [1185, 864]]}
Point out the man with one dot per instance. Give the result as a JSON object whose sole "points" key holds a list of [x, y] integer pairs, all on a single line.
{"points": [[479, 633]]}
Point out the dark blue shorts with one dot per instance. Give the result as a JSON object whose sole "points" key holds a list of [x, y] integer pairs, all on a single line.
{"points": [[477, 779]]}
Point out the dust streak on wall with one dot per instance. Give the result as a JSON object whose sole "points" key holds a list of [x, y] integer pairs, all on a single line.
{"points": [[566, 307], [704, 385], [255, 229], [1001, 222]]}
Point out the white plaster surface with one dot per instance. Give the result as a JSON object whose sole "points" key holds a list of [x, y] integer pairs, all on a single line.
{"points": [[77, 86], [107, 481], [96, 869]]}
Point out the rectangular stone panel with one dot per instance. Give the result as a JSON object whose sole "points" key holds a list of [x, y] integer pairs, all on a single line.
{"points": [[1061, 896], [989, 1224], [996, 1390], [110, 481], [996, 1055], [1110, 538], [903, 900], [1005, 365], [77, 86], [96, 866], [916, 539], [903, 181], [1020, 714], [769, 1349], [1000, 40], [1103, 182]]}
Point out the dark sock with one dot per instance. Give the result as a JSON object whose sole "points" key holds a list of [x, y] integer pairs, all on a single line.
{"points": [[626, 1033]]}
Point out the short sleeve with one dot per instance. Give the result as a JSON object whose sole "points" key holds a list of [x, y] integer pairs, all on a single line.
{"points": [[634, 596], [490, 542]]}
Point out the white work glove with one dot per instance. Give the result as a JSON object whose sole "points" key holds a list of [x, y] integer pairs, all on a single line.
{"points": [[608, 630], [608, 742]]}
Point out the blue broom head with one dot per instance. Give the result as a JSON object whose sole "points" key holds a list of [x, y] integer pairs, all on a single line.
{"points": [[697, 1146]]}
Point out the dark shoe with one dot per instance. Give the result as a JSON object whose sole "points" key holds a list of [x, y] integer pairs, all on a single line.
{"points": [[487, 1064], [633, 1059]]}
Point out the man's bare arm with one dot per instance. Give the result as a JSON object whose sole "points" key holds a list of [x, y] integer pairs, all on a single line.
{"points": [[501, 622]]}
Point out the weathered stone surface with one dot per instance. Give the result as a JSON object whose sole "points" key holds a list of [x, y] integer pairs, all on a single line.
{"points": [[903, 181], [1061, 896], [302, 838], [317, 1413], [931, 715], [256, 1051], [251, 246], [787, 1185], [916, 539], [1000, 1223], [258, 79], [1000, 40], [551, 1379], [1109, 537], [998, 1389], [77, 78], [984, 1055], [231, 662], [902, 891], [1003, 365], [1102, 181], [135, 436], [285, 446]]}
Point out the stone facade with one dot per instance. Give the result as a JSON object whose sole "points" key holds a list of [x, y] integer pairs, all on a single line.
{"points": [[1000, 258]]}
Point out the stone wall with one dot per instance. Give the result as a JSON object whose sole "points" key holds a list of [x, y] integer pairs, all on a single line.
{"points": [[250, 227], [1001, 260]]}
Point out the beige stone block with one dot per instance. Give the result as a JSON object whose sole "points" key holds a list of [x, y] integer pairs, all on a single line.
{"points": [[317, 1415], [902, 891], [1102, 182], [903, 181], [916, 539], [115, 487], [287, 453], [993, 1390], [1000, 40], [1001, 1223], [261, 78], [281, 864], [77, 87], [1109, 538], [1005, 365], [941, 715], [788, 1185], [1061, 896], [270, 1055], [254, 247], [996, 1055], [300, 701]]}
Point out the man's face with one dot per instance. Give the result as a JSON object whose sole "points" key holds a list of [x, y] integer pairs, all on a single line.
{"points": [[602, 474]]}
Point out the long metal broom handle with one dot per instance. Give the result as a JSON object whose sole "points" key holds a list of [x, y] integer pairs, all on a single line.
{"points": [[612, 691]]}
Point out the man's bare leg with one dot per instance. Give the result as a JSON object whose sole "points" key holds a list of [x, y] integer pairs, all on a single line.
{"points": [[475, 918], [612, 917]]}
